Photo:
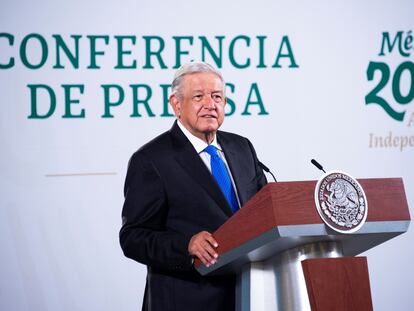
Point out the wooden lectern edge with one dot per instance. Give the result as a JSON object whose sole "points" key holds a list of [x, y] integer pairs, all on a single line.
{"points": [[274, 219], [283, 238]]}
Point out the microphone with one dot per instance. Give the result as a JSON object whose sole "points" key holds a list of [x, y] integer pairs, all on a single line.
{"points": [[314, 162], [266, 169]]}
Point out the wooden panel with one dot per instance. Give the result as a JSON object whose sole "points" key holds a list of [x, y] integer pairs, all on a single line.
{"points": [[253, 219], [386, 199], [294, 202], [340, 284]]}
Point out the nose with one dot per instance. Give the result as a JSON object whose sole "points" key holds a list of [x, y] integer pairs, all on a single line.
{"points": [[209, 103]]}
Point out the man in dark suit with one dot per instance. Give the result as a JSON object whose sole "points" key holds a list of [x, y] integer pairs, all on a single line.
{"points": [[180, 187]]}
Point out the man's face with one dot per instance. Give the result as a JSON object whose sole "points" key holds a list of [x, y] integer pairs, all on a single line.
{"points": [[201, 106]]}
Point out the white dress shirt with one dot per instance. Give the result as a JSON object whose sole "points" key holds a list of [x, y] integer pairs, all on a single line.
{"points": [[199, 145]]}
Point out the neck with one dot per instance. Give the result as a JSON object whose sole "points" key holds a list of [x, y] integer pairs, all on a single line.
{"points": [[208, 138]]}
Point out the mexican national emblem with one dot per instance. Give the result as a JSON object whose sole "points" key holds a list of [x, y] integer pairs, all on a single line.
{"points": [[341, 202]]}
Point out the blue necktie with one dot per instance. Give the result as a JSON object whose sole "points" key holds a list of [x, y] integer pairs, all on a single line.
{"points": [[221, 175]]}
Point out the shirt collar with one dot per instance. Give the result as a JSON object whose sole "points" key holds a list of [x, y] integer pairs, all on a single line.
{"points": [[198, 144]]}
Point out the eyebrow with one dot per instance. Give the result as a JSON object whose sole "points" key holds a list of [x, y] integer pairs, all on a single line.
{"points": [[201, 91]]}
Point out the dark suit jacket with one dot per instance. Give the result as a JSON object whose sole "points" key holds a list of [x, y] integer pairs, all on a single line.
{"points": [[170, 195]]}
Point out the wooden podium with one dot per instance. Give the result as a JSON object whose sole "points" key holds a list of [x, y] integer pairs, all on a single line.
{"points": [[286, 258]]}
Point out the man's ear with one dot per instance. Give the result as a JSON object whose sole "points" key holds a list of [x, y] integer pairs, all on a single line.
{"points": [[175, 104]]}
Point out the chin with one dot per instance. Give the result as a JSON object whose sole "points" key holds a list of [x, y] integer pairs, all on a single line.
{"points": [[210, 128]]}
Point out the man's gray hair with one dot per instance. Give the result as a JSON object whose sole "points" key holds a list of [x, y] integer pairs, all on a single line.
{"points": [[191, 68]]}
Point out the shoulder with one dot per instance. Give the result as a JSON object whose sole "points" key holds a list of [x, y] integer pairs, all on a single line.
{"points": [[231, 136], [233, 139], [237, 144], [159, 146]]}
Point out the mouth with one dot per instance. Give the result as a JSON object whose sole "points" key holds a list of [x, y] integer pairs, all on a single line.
{"points": [[209, 116]]}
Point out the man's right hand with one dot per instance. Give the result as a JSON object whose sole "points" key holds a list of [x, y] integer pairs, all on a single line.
{"points": [[203, 245]]}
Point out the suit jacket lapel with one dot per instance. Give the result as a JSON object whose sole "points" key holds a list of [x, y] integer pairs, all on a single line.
{"points": [[188, 158], [234, 160]]}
